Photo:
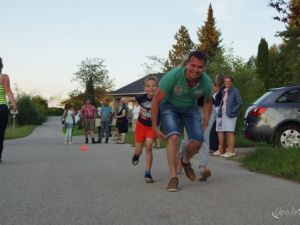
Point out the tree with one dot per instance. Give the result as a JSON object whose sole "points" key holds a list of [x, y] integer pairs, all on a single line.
{"points": [[281, 7], [289, 51], [92, 73], [209, 36], [262, 63], [275, 66], [156, 65], [183, 46]]}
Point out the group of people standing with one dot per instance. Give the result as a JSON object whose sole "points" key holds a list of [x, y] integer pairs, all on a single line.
{"points": [[88, 115]]}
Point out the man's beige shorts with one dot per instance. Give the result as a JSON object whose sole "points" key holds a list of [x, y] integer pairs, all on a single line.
{"points": [[89, 124]]}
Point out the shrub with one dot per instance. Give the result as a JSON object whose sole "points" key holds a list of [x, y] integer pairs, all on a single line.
{"points": [[31, 110], [55, 111]]}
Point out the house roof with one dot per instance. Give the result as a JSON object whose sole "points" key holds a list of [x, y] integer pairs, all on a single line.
{"points": [[136, 87]]}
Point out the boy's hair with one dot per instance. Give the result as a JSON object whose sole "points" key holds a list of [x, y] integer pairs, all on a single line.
{"points": [[197, 54], [151, 77]]}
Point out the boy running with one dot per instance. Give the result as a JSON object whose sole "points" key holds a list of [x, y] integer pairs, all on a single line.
{"points": [[144, 135]]}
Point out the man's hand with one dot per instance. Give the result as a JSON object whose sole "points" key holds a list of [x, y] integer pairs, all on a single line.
{"points": [[159, 134], [204, 125]]}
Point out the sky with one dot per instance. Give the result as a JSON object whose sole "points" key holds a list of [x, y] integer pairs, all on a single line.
{"points": [[43, 42]]}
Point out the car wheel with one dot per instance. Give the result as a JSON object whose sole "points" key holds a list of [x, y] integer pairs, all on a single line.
{"points": [[288, 136]]}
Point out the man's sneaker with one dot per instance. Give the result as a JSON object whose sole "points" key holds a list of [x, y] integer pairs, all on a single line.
{"points": [[148, 178], [204, 174], [189, 172], [135, 159], [173, 185], [86, 140]]}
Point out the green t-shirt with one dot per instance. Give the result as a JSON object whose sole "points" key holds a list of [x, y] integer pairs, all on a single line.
{"points": [[177, 90]]}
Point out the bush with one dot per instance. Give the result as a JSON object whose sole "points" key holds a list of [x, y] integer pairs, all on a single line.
{"points": [[55, 111], [32, 110]]}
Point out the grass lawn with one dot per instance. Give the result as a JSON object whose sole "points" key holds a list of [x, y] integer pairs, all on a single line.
{"points": [[275, 162], [20, 131]]}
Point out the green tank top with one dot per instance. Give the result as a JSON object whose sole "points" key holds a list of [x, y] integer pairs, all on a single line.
{"points": [[2, 95]]}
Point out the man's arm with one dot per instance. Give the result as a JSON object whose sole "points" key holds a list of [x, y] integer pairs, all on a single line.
{"points": [[158, 97], [207, 108]]}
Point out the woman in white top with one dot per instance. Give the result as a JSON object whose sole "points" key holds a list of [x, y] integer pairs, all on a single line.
{"points": [[69, 116]]}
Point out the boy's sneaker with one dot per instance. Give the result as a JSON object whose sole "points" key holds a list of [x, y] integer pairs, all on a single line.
{"points": [[173, 185], [135, 159], [148, 178]]}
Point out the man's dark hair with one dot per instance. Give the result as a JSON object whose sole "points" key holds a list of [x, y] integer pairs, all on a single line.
{"points": [[229, 77], [198, 54], [1, 64]]}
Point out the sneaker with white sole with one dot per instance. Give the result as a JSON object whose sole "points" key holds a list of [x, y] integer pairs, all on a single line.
{"points": [[148, 178], [216, 153], [228, 154], [173, 185]]}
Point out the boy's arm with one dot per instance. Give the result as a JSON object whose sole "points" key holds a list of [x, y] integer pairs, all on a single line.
{"points": [[130, 99]]}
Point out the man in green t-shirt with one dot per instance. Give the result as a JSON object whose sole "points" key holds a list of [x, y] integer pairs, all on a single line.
{"points": [[175, 100]]}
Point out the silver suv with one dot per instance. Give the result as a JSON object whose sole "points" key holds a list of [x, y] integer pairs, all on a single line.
{"points": [[275, 117]]}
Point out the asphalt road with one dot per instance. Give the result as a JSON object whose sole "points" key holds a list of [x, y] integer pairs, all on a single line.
{"points": [[44, 182]]}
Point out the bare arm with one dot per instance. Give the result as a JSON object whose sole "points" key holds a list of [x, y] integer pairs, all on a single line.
{"points": [[130, 99], [123, 114], [158, 97], [6, 85], [207, 108]]}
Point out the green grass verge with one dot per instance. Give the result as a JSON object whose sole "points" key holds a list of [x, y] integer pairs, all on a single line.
{"points": [[20, 131], [274, 161]]}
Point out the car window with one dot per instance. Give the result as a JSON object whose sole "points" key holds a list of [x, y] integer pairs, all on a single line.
{"points": [[265, 95], [291, 96]]}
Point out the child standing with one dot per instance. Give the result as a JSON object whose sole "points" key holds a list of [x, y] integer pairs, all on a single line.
{"points": [[69, 118], [144, 135]]}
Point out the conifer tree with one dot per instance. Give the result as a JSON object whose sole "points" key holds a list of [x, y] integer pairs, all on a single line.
{"points": [[183, 46], [289, 57], [209, 36], [262, 62]]}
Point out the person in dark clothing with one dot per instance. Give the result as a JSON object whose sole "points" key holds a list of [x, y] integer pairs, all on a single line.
{"points": [[5, 90]]}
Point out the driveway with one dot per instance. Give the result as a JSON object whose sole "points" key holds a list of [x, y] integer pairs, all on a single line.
{"points": [[44, 182]]}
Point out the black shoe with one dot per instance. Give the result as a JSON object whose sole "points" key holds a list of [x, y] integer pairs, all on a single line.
{"points": [[93, 141], [99, 141], [86, 140], [135, 159], [148, 178], [106, 140]]}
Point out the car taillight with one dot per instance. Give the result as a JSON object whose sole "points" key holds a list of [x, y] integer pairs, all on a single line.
{"points": [[257, 111]]}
